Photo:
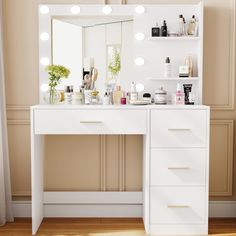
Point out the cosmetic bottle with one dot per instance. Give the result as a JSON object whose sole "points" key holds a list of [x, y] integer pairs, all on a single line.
{"points": [[117, 95], [189, 63], [179, 96], [191, 98], [192, 26], [133, 92], [68, 95], [160, 96], [156, 31], [77, 97], [185, 27], [187, 91], [106, 99], [167, 68], [164, 29], [181, 25]]}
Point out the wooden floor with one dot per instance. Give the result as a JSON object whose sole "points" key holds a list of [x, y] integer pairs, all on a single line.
{"points": [[101, 227]]}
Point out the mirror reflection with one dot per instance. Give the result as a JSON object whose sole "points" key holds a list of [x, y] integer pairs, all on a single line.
{"points": [[96, 49]]}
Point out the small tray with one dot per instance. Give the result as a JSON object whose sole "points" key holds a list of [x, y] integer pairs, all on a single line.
{"points": [[139, 102]]}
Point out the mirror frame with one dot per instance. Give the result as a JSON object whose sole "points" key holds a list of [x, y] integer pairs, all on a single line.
{"points": [[46, 14]]}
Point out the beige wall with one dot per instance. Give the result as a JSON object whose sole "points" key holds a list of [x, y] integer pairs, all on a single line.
{"points": [[114, 162]]}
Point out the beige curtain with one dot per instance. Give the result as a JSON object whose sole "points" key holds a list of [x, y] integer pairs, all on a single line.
{"points": [[5, 185]]}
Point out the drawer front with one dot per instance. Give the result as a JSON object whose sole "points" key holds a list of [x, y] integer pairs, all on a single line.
{"points": [[178, 166], [177, 205], [90, 121], [178, 128]]}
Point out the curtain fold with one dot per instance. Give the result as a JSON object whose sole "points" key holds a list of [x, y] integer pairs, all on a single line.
{"points": [[5, 184]]}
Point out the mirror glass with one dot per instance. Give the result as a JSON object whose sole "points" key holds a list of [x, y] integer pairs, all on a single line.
{"points": [[104, 43]]}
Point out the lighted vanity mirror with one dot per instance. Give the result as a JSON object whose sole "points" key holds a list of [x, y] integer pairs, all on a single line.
{"points": [[81, 36], [101, 42]]}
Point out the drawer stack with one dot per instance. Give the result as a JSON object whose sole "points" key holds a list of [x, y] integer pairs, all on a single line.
{"points": [[179, 172]]}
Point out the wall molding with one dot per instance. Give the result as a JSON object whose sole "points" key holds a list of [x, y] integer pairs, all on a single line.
{"points": [[103, 154], [18, 122], [23, 209], [231, 86], [122, 147], [230, 157], [18, 107]]}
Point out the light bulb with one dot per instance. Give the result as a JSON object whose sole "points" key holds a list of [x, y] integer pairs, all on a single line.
{"points": [[75, 10], [139, 87], [44, 36], [44, 9], [44, 61], [140, 9], [139, 61], [44, 87], [139, 36], [107, 10]]}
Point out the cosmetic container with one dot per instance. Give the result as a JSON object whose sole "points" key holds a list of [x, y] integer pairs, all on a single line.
{"points": [[133, 92], [167, 68], [164, 32], [117, 95], [179, 96], [160, 96], [181, 25], [147, 97], [106, 99], [156, 31], [192, 26], [68, 94], [189, 63]]}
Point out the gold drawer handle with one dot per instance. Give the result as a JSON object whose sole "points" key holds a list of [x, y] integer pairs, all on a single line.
{"points": [[179, 168], [179, 129], [178, 206], [91, 122]]}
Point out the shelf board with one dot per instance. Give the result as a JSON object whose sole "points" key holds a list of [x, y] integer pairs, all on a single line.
{"points": [[184, 38], [174, 78]]}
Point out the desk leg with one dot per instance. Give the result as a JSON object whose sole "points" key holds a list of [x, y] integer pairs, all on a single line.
{"points": [[37, 151]]}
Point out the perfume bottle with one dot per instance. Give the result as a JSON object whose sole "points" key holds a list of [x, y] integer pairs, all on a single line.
{"points": [[156, 31], [189, 63], [181, 25], [192, 26], [164, 29], [117, 95]]}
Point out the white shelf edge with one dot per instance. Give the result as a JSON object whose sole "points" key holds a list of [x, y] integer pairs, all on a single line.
{"points": [[173, 78], [184, 38]]}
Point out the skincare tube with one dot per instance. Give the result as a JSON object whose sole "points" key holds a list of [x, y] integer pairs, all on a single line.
{"points": [[187, 90]]}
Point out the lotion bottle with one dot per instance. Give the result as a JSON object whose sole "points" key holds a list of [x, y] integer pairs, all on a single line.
{"points": [[167, 68], [117, 95], [133, 92]]}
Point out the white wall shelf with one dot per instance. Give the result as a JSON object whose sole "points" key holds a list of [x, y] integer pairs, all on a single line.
{"points": [[174, 79], [184, 38]]}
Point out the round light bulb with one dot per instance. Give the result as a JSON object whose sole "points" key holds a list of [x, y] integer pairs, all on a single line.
{"points": [[139, 9], [75, 10], [44, 61], [44, 87], [139, 61], [139, 87], [107, 9], [139, 36], [44, 9], [44, 36]]}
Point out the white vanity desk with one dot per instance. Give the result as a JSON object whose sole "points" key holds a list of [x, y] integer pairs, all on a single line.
{"points": [[175, 158]]}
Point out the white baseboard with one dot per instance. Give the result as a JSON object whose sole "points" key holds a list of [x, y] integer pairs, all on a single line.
{"points": [[23, 209]]}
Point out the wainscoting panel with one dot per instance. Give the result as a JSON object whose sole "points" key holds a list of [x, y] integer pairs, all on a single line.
{"points": [[221, 158]]}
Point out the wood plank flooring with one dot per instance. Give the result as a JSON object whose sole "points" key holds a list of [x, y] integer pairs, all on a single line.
{"points": [[101, 227]]}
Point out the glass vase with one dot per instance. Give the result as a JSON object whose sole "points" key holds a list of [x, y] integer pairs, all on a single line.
{"points": [[52, 97]]}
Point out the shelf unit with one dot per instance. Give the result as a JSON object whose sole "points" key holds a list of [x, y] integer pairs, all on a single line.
{"points": [[154, 50]]}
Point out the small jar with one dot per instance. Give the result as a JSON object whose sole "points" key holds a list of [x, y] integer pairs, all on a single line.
{"points": [[147, 97], [123, 101], [160, 96]]}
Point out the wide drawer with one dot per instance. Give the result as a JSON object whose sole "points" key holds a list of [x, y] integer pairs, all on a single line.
{"points": [[178, 166], [178, 205], [76, 121], [179, 128]]}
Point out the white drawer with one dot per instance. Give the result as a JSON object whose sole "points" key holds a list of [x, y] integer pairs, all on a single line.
{"points": [[178, 128], [75, 121], [178, 166], [177, 205]]}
